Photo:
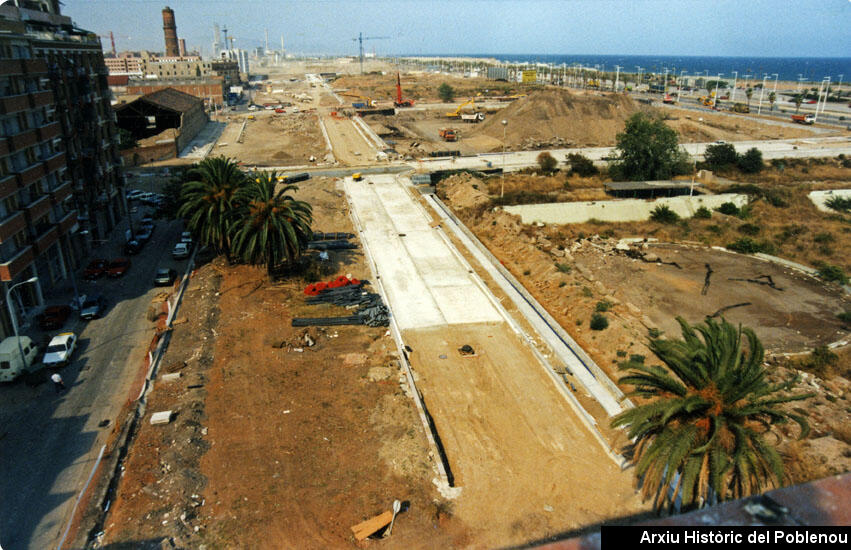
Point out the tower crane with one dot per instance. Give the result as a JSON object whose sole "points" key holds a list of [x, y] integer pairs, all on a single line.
{"points": [[360, 40]]}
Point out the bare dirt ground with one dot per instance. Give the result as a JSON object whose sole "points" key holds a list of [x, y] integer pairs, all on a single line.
{"points": [[271, 447], [571, 270], [273, 139], [350, 147], [699, 127]]}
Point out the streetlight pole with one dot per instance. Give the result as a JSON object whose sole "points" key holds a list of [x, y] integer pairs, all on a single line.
{"points": [[761, 91], [12, 312], [502, 186], [715, 99], [774, 91], [733, 93]]}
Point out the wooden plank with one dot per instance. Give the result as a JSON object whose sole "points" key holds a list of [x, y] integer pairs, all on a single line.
{"points": [[370, 526]]}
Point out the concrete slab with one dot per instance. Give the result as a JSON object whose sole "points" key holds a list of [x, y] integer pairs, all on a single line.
{"points": [[426, 283], [162, 417], [819, 198]]}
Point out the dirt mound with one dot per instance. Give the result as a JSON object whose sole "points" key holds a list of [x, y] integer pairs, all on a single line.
{"points": [[555, 113], [464, 191]]}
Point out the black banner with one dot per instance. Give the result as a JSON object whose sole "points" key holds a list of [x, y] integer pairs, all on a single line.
{"points": [[694, 537]]}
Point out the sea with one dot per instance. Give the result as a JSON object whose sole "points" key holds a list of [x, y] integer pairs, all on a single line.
{"points": [[808, 69]]}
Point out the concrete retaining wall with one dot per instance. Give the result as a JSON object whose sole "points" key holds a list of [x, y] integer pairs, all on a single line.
{"points": [[627, 210]]}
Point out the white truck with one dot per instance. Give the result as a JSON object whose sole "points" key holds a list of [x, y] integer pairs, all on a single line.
{"points": [[473, 118], [12, 364]]}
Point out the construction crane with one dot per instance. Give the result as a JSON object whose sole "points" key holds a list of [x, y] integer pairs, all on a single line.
{"points": [[360, 40], [399, 101], [112, 41]]}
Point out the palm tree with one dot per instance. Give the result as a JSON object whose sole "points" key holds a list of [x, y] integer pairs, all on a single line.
{"points": [[798, 99], [208, 199], [701, 436], [749, 93], [772, 97], [271, 226]]}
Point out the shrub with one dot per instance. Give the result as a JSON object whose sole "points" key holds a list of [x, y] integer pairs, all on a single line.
{"points": [[832, 273], [587, 292], [446, 92], [603, 305], [820, 359], [547, 162], [663, 214], [746, 245], [824, 237], [749, 229], [720, 155], [703, 213], [751, 161], [845, 317], [840, 204], [599, 322], [581, 165], [564, 268], [728, 208]]}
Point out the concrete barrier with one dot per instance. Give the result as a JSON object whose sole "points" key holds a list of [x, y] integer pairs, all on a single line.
{"points": [[626, 210]]}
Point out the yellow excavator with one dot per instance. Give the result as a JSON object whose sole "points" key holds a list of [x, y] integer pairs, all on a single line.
{"points": [[457, 112], [367, 101]]}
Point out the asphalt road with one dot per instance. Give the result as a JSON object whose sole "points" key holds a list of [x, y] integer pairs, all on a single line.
{"points": [[49, 442]]}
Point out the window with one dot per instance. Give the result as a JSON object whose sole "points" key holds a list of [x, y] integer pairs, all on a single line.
{"points": [[11, 126], [20, 240]]}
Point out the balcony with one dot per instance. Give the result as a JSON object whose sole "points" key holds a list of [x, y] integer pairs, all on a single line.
{"points": [[46, 239], [14, 103], [8, 185], [38, 207], [49, 131], [62, 192], [24, 139], [67, 223], [9, 270], [31, 174], [54, 163], [11, 225], [40, 99]]}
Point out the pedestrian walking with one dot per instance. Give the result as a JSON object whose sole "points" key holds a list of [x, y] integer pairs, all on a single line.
{"points": [[57, 382]]}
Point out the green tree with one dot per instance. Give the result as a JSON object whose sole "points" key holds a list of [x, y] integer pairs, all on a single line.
{"points": [[648, 150], [700, 430], [751, 161], [749, 94], [208, 200], [271, 227], [446, 92], [582, 165], [772, 98], [720, 155], [798, 99]]}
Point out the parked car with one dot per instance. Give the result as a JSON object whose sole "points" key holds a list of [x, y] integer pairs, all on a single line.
{"points": [[118, 267], [186, 237], [93, 307], [165, 277], [132, 247], [95, 269], [144, 235], [53, 317], [180, 251], [134, 194], [60, 349]]}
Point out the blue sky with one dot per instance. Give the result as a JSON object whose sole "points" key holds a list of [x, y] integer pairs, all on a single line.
{"points": [[769, 28]]}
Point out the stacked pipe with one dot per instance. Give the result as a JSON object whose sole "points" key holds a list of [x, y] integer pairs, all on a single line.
{"points": [[345, 292]]}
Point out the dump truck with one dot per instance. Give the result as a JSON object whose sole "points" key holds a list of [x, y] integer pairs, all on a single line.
{"points": [[448, 134], [668, 99], [740, 108], [804, 119], [473, 117]]}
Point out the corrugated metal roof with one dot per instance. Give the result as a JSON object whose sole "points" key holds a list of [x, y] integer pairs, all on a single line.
{"points": [[169, 98]]}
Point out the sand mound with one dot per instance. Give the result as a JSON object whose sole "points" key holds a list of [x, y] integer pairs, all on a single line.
{"points": [[463, 191], [555, 113]]}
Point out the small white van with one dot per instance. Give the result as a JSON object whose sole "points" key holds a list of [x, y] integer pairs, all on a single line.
{"points": [[11, 363]]}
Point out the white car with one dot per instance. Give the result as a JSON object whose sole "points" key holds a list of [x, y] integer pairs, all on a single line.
{"points": [[60, 349], [180, 251]]}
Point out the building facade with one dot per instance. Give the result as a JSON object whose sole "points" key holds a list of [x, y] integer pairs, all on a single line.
{"points": [[60, 175]]}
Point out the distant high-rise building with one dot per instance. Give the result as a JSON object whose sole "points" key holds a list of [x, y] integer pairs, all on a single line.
{"points": [[172, 49], [182, 47], [217, 40]]}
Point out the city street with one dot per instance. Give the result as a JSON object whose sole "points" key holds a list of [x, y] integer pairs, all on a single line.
{"points": [[49, 442]]}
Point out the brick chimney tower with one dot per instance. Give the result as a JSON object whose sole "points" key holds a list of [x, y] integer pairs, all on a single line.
{"points": [[170, 32]]}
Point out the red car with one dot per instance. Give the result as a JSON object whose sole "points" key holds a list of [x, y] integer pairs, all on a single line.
{"points": [[95, 269], [118, 267], [53, 317]]}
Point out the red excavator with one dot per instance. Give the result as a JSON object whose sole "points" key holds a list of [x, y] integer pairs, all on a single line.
{"points": [[399, 101]]}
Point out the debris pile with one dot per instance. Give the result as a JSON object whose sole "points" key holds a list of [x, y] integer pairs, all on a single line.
{"points": [[348, 293]]}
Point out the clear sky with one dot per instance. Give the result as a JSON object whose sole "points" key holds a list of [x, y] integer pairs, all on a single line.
{"points": [[755, 28]]}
